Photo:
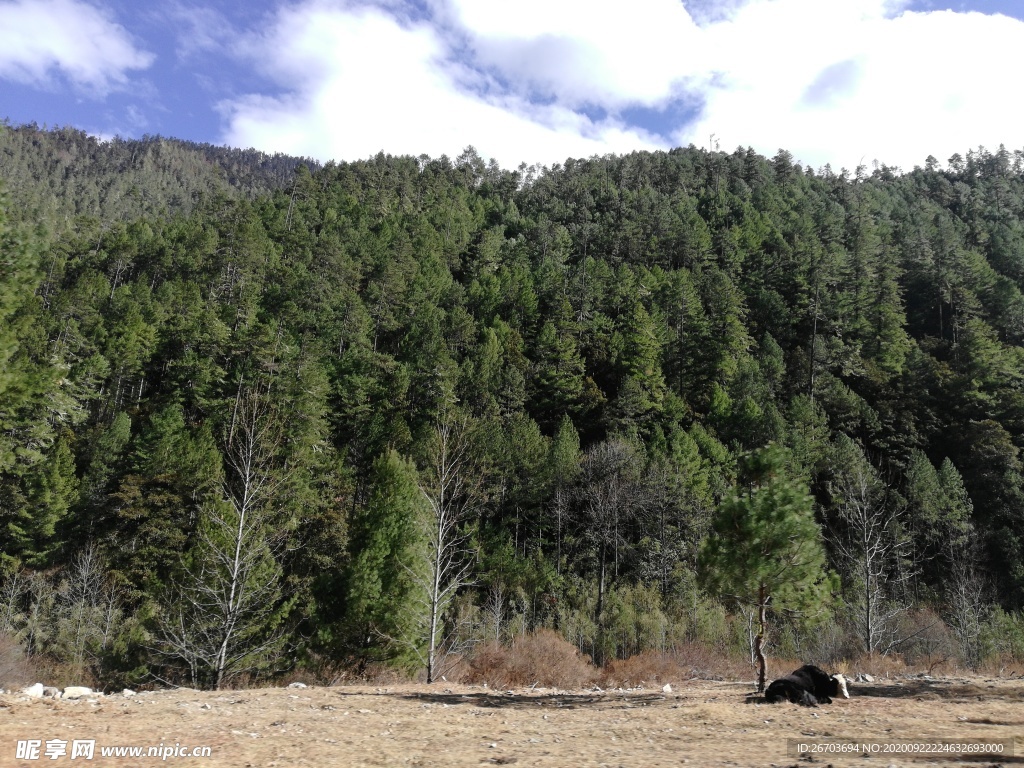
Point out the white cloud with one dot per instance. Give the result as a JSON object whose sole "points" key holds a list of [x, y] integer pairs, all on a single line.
{"points": [[79, 40], [851, 81], [359, 82], [837, 82], [603, 52], [199, 29]]}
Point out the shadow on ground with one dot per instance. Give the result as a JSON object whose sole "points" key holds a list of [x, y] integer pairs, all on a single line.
{"points": [[941, 690], [501, 700], [935, 689]]}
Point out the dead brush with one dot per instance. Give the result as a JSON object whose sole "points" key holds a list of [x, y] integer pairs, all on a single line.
{"points": [[541, 658], [693, 661], [645, 669]]}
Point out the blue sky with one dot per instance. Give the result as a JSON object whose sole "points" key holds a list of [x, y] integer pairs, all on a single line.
{"points": [[833, 81]]}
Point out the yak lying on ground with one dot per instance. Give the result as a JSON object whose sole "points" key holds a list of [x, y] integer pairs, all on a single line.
{"points": [[808, 686]]}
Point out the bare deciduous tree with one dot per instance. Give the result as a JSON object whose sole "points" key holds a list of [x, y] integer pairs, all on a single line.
{"points": [[72, 613], [224, 620], [869, 539], [611, 496], [84, 599], [11, 598], [452, 488], [966, 608]]}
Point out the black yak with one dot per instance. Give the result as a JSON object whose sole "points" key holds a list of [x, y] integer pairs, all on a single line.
{"points": [[808, 686]]}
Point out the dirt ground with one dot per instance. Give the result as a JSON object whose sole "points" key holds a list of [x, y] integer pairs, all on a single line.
{"points": [[698, 723]]}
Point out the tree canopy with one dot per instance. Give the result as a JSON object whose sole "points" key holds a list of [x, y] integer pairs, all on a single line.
{"points": [[671, 311]]}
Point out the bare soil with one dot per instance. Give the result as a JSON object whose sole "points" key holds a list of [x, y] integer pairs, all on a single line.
{"points": [[698, 723]]}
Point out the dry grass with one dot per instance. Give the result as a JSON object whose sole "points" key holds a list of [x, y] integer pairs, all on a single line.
{"points": [[1002, 666], [689, 662], [704, 723]]}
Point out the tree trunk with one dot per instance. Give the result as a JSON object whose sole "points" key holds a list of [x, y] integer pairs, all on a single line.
{"points": [[762, 671], [599, 618], [435, 605]]}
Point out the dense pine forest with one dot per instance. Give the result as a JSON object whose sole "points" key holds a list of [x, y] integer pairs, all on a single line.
{"points": [[261, 415]]}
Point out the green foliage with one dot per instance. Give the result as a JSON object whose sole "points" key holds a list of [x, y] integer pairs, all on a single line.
{"points": [[65, 174], [31, 402], [688, 307], [151, 517], [765, 541], [386, 553], [52, 490], [1003, 637]]}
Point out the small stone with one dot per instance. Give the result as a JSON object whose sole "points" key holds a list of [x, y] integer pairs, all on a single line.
{"points": [[77, 692], [204, 706], [298, 685], [49, 692], [127, 692], [667, 688], [868, 678], [35, 691]]}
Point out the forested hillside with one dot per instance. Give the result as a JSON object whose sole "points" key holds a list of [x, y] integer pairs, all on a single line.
{"points": [[63, 175], [385, 409]]}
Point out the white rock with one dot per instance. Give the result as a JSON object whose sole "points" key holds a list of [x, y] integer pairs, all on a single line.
{"points": [[35, 691], [868, 678], [51, 693], [77, 692], [667, 688], [127, 692], [298, 685]]}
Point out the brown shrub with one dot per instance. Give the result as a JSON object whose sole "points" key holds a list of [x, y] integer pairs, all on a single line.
{"points": [[693, 661], [380, 673], [542, 658], [928, 641], [647, 668]]}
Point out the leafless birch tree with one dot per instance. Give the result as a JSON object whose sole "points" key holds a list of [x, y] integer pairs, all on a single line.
{"points": [[966, 607], [224, 620], [867, 535], [452, 488], [88, 609]]}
